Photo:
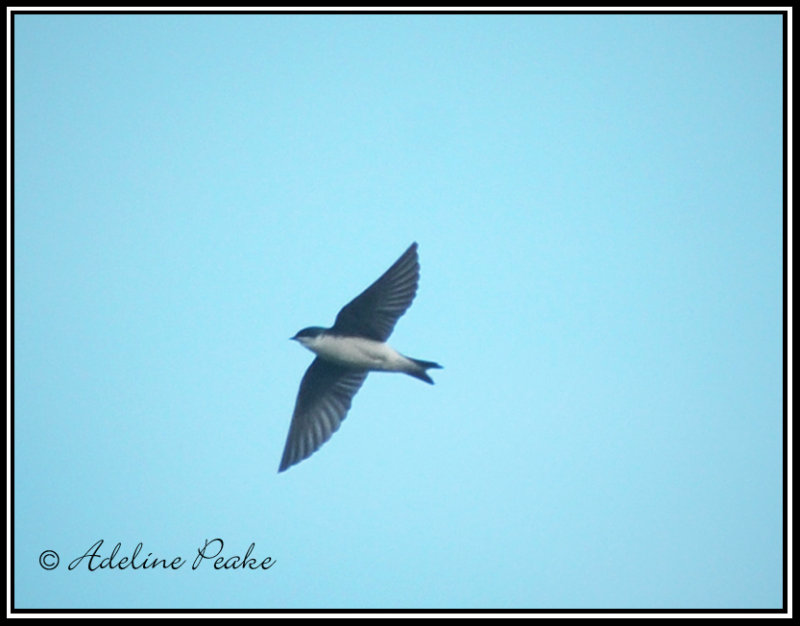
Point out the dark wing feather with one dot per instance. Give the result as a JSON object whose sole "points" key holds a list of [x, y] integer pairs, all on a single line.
{"points": [[325, 395], [374, 313]]}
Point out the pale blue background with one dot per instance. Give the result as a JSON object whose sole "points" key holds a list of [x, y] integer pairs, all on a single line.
{"points": [[597, 201]]}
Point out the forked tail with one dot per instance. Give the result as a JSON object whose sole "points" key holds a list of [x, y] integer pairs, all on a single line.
{"points": [[419, 370]]}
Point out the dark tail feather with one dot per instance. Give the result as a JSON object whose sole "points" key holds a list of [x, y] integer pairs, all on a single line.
{"points": [[421, 373]]}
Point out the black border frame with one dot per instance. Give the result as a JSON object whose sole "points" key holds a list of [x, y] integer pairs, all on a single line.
{"points": [[11, 13]]}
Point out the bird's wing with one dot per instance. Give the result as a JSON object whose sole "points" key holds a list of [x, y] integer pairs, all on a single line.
{"points": [[375, 311], [326, 392]]}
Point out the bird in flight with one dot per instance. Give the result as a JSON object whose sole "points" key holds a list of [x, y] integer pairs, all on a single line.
{"points": [[354, 346]]}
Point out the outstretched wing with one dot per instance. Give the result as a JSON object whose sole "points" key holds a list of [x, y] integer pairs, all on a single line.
{"points": [[325, 395], [374, 313]]}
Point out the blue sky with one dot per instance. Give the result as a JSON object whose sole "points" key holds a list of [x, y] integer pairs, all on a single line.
{"points": [[597, 201]]}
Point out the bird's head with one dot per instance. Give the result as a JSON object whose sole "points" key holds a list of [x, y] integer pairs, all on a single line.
{"points": [[307, 335]]}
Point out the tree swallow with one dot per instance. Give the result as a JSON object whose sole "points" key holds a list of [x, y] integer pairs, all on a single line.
{"points": [[354, 346]]}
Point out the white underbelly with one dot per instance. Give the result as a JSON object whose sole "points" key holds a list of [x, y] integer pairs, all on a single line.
{"points": [[360, 353]]}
